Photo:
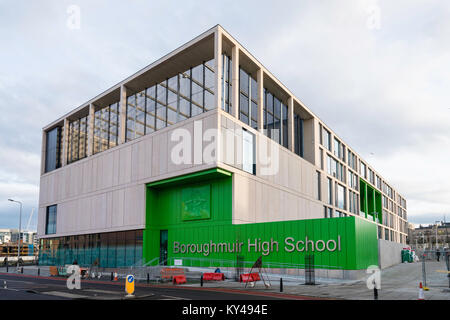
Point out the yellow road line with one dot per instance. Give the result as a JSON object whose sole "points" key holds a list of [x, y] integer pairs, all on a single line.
{"points": [[443, 271]]}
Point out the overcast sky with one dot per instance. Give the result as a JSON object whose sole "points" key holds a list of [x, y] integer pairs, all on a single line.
{"points": [[377, 72]]}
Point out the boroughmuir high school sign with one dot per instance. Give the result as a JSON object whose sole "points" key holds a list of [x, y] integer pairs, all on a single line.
{"points": [[256, 245], [192, 220]]}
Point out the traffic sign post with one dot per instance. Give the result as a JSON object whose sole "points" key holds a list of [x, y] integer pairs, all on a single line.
{"points": [[129, 286]]}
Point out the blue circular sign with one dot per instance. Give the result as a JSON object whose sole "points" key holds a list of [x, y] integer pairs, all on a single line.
{"points": [[130, 278]]}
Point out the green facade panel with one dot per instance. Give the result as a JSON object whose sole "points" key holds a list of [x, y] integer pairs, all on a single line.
{"points": [[348, 243], [370, 201]]}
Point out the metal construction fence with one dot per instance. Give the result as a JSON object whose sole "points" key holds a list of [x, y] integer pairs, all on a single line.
{"points": [[231, 268], [432, 254]]}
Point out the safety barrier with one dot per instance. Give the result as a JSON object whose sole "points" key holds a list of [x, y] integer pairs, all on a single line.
{"points": [[215, 276], [249, 277], [180, 279], [170, 273]]}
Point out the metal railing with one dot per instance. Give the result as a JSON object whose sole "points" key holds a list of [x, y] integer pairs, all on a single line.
{"points": [[151, 270]]}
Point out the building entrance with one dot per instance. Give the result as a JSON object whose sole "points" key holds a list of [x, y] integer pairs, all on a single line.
{"points": [[163, 241]]}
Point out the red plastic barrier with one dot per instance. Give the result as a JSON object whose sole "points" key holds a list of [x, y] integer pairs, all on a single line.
{"points": [[213, 276], [180, 279], [249, 277]]}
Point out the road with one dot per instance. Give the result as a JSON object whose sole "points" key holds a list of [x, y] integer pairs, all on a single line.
{"points": [[26, 287]]}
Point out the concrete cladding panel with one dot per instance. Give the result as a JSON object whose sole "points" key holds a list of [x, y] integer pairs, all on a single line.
{"points": [[106, 191], [257, 200]]}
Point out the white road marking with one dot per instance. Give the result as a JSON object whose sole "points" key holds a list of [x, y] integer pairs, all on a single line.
{"points": [[173, 298], [64, 294], [103, 291]]}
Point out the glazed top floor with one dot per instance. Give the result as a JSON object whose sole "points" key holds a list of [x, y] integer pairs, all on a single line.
{"points": [[211, 49]]}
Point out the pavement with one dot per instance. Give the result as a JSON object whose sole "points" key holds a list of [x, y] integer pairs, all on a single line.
{"points": [[400, 282]]}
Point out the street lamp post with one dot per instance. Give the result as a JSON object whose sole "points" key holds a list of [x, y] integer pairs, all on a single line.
{"points": [[20, 231]]}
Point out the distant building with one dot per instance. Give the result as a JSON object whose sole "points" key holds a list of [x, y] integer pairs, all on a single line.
{"points": [[8, 243], [425, 236], [11, 235], [5, 236]]}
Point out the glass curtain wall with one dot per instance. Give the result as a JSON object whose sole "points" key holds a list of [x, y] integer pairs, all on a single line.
{"points": [[227, 67], [110, 250], [77, 139], [275, 119], [183, 96], [298, 135], [50, 220], [106, 127], [248, 99], [53, 150]]}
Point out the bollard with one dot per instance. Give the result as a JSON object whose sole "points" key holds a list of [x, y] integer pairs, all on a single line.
{"points": [[7, 268], [375, 293], [112, 276], [148, 278], [281, 284], [201, 280], [21, 270], [39, 271]]}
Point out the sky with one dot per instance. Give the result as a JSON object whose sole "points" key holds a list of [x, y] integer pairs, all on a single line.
{"points": [[376, 72]]}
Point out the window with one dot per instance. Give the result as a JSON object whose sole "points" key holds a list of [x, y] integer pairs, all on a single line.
{"points": [[326, 139], [340, 196], [351, 160], [331, 164], [248, 152], [77, 139], [275, 119], [318, 189], [111, 250], [248, 99], [50, 220], [106, 127], [350, 201], [389, 192], [362, 170], [328, 212], [321, 159], [330, 191], [178, 98], [298, 135], [352, 180], [335, 169], [227, 68], [340, 214], [339, 149], [385, 202], [378, 182], [371, 177], [53, 149]]}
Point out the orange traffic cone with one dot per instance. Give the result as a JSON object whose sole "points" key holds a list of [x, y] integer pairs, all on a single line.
{"points": [[421, 295], [116, 279]]}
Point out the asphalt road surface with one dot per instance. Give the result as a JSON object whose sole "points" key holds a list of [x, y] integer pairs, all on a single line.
{"points": [[20, 287]]}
